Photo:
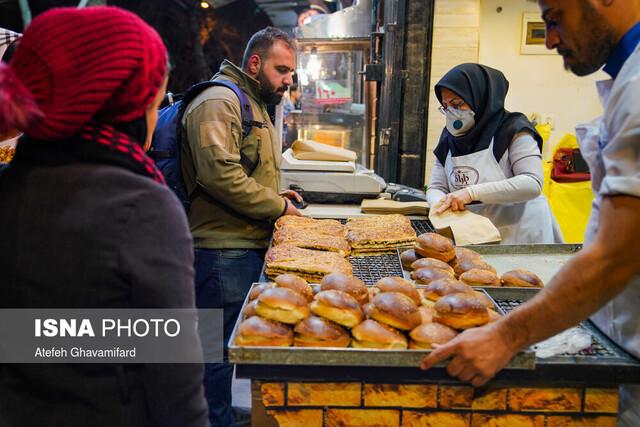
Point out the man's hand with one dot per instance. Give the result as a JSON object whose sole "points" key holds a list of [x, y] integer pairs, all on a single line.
{"points": [[291, 195], [455, 201], [291, 210], [476, 354]]}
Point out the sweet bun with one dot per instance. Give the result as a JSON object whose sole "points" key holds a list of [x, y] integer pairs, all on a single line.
{"points": [[466, 253], [283, 305], [464, 265], [441, 287], [398, 284], [426, 314], [250, 309], [396, 310], [521, 278], [295, 283], [427, 334], [408, 257], [318, 332], [371, 334], [258, 289], [338, 306], [484, 298], [477, 277], [345, 283], [433, 245], [461, 311], [424, 276], [256, 331], [431, 263]]}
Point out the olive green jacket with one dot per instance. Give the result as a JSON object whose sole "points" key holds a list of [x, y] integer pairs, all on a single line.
{"points": [[232, 207]]}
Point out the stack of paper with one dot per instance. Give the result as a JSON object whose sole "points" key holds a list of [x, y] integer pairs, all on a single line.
{"points": [[383, 206]]}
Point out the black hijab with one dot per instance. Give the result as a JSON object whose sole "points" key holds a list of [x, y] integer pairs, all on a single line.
{"points": [[484, 89]]}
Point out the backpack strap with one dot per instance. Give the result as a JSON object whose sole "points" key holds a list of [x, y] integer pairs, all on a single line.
{"points": [[246, 112]]}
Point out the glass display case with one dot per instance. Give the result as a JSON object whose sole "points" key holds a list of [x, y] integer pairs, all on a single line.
{"points": [[332, 98]]}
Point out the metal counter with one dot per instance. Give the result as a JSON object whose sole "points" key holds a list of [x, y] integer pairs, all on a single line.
{"points": [[603, 363]]}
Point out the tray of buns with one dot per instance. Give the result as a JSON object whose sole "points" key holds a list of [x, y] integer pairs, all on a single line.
{"points": [[343, 322], [527, 266]]}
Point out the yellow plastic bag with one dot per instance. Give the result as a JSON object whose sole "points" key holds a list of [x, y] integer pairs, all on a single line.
{"points": [[570, 201]]}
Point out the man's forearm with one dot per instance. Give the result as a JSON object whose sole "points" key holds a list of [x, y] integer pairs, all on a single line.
{"points": [[588, 281]]}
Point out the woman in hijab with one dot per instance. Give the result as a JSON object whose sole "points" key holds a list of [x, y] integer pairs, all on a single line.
{"points": [[86, 220], [489, 159]]}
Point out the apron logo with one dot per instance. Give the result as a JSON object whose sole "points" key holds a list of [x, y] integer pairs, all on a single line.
{"points": [[463, 176]]}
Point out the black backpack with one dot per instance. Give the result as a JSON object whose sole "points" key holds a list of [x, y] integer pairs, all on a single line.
{"points": [[166, 143]]}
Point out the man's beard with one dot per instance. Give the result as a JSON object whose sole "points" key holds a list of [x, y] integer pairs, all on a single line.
{"points": [[268, 92], [594, 43]]}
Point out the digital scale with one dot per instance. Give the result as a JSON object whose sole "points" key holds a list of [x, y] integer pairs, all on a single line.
{"points": [[339, 182]]}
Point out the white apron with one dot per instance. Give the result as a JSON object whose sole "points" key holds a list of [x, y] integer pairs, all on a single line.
{"points": [[518, 223], [619, 319]]}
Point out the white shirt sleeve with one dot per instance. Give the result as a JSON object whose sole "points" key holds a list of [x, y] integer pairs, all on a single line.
{"points": [[621, 154], [525, 184], [438, 186]]}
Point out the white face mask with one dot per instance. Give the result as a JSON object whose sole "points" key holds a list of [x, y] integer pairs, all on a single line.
{"points": [[459, 122]]}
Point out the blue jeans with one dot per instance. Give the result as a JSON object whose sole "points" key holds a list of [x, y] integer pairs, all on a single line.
{"points": [[223, 278]]}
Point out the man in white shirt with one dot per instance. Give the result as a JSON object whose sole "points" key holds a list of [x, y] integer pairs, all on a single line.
{"points": [[602, 280]]}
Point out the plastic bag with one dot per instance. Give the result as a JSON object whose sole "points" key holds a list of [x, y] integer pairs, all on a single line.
{"points": [[571, 341]]}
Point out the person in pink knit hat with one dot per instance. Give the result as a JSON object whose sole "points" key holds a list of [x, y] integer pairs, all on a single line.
{"points": [[86, 219]]}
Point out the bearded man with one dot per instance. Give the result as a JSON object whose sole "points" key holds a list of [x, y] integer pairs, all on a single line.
{"points": [[234, 183]]}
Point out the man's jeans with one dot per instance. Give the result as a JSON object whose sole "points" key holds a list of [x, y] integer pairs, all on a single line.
{"points": [[223, 278]]}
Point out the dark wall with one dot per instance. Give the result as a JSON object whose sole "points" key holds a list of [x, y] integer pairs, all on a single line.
{"points": [[197, 39]]}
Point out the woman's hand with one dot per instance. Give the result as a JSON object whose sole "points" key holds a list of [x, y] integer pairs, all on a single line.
{"points": [[455, 201]]}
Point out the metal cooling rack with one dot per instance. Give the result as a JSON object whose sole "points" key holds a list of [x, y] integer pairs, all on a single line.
{"points": [[372, 268], [597, 349]]}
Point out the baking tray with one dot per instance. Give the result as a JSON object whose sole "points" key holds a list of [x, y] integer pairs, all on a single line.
{"points": [[543, 260], [305, 356]]}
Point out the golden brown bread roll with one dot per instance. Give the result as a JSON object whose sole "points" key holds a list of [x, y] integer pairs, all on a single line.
{"points": [[466, 253], [262, 332], [398, 284], [295, 283], [433, 245], [521, 278], [258, 289], [408, 257], [477, 277], [461, 311], [484, 298], [424, 276], [318, 332], [426, 314], [431, 263], [250, 309], [464, 265], [371, 334], [396, 310], [338, 306], [349, 284], [427, 334], [283, 305], [441, 287]]}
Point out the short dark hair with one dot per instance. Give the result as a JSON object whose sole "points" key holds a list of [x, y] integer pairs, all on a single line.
{"points": [[261, 42]]}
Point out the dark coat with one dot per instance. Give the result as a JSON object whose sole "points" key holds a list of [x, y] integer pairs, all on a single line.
{"points": [[85, 235]]}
